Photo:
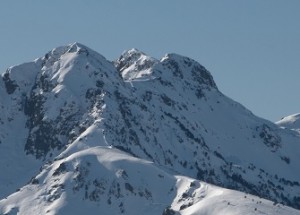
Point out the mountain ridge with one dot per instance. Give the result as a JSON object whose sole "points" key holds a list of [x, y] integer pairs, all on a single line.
{"points": [[167, 111]]}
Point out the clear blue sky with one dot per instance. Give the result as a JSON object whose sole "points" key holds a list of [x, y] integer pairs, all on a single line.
{"points": [[252, 48]]}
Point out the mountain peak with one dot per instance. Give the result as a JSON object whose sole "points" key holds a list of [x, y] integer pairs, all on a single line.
{"points": [[74, 48], [185, 69], [133, 51], [135, 65]]}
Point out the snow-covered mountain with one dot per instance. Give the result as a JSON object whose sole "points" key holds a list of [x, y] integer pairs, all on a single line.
{"points": [[80, 133]]}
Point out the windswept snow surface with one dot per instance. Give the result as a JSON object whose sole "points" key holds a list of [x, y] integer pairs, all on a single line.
{"points": [[80, 134]]}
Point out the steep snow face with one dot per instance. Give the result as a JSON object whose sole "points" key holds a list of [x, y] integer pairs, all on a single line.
{"points": [[168, 111], [106, 180], [67, 97], [49, 103], [290, 122]]}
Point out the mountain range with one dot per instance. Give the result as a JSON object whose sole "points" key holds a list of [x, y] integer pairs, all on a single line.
{"points": [[82, 134]]}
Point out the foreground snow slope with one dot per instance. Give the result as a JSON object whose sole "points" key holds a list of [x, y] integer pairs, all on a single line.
{"points": [[107, 180], [166, 111]]}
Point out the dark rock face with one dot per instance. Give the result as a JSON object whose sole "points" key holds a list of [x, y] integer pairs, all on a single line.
{"points": [[45, 134], [10, 85], [169, 211], [269, 137]]}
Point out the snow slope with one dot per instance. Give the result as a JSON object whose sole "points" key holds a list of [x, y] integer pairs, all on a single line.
{"points": [[166, 115], [113, 182], [290, 122]]}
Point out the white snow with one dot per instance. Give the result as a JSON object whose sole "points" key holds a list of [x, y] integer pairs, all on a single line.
{"points": [[290, 122]]}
